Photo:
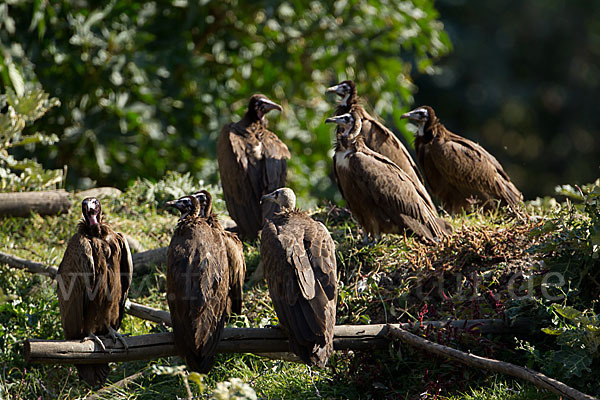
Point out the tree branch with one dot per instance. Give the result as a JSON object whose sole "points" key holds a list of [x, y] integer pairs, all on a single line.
{"points": [[538, 379], [235, 340]]}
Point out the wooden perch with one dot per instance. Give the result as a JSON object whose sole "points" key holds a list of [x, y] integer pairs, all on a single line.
{"points": [[235, 340], [21, 204], [538, 379]]}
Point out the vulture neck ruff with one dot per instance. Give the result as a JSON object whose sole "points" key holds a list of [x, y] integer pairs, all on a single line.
{"points": [[346, 143], [430, 129]]}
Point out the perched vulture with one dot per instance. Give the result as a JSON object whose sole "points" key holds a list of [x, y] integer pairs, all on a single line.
{"points": [[93, 280], [197, 285], [376, 136], [459, 171], [382, 197], [299, 260], [252, 162], [235, 254]]}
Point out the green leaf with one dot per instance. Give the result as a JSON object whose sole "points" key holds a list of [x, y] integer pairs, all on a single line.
{"points": [[16, 79]]}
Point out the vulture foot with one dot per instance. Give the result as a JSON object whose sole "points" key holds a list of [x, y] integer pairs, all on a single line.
{"points": [[95, 339], [114, 335]]}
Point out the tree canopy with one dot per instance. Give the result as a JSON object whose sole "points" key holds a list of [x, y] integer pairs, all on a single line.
{"points": [[146, 86]]}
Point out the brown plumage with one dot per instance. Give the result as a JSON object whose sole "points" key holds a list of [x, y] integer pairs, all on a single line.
{"points": [[235, 254], [460, 172], [382, 197], [376, 135], [252, 162], [299, 260], [93, 281], [197, 285]]}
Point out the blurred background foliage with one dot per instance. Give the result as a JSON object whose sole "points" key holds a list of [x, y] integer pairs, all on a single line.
{"points": [[146, 86], [523, 80]]}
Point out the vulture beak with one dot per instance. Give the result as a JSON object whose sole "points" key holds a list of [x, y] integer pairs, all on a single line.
{"points": [[267, 105], [268, 197], [170, 204], [337, 89], [336, 120], [410, 116]]}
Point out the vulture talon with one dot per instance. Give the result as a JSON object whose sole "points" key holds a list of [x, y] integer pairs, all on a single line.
{"points": [[96, 340], [114, 335]]}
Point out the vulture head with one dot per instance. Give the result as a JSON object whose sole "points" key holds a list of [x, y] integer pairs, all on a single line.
{"points": [[284, 197], [422, 116], [346, 90], [92, 212], [350, 123], [205, 200], [259, 106], [187, 205]]}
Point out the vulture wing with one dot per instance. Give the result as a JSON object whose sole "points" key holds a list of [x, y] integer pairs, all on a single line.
{"points": [[299, 258], [382, 140], [275, 156], [197, 288], [126, 271], [74, 272], [237, 271], [473, 170], [392, 194], [239, 180]]}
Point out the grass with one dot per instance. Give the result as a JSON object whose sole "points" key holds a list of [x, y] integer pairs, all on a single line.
{"points": [[396, 280]]}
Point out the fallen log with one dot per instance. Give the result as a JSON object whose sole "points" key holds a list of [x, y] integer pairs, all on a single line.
{"points": [[31, 266], [148, 313], [21, 204], [538, 379], [235, 340], [142, 261]]}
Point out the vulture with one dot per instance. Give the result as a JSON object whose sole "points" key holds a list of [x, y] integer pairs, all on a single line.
{"points": [[197, 285], [252, 162], [381, 195], [93, 281], [235, 254], [376, 136], [299, 260], [460, 172]]}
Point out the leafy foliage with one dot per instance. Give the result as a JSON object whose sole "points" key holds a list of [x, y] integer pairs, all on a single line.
{"points": [[570, 250], [24, 105], [157, 80], [525, 92]]}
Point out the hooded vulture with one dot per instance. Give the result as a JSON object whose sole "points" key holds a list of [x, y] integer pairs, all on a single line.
{"points": [[459, 171], [252, 162], [299, 260], [93, 280], [197, 285], [382, 197], [235, 254], [376, 136]]}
